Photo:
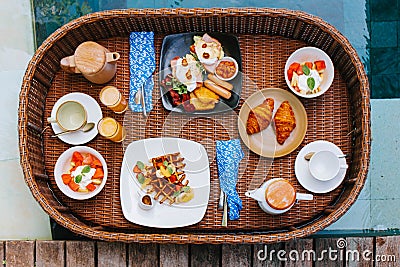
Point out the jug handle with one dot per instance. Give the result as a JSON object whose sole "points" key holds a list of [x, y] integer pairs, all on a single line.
{"points": [[112, 57], [301, 196], [68, 64]]}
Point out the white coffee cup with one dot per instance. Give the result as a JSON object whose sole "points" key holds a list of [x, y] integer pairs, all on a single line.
{"points": [[70, 116], [325, 165]]}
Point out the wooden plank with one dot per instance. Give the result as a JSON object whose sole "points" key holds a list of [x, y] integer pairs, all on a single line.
{"points": [[2, 253], [111, 254], [266, 255], [236, 255], [387, 251], [20, 253], [329, 251], [80, 253], [205, 255], [298, 250], [359, 250], [50, 253], [145, 254], [174, 255]]}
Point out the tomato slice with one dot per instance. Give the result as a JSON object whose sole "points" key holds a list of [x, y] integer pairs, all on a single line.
{"points": [[99, 174], [91, 187], [74, 186], [320, 65], [66, 178], [88, 159]]}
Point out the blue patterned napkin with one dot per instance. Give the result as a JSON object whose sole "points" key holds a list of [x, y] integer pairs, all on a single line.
{"points": [[142, 65], [229, 154]]}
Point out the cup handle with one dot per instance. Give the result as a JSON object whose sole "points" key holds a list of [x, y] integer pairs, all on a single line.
{"points": [[112, 57], [301, 196], [51, 120]]}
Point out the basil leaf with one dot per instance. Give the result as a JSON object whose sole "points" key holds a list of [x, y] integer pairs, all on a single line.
{"points": [[165, 163], [306, 70], [140, 165], [86, 169], [78, 179], [311, 83], [140, 178]]}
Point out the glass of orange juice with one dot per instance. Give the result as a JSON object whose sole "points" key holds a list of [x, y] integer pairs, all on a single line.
{"points": [[111, 97], [111, 129]]}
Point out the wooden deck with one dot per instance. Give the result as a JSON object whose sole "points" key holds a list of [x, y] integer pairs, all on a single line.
{"points": [[382, 251]]}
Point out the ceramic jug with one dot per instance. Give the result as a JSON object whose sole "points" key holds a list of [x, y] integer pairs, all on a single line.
{"points": [[95, 62], [260, 194]]}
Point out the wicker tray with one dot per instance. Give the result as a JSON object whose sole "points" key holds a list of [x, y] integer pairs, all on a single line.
{"points": [[341, 116]]}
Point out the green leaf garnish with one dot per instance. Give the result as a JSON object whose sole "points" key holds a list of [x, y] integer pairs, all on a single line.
{"points": [[306, 70], [78, 179], [311, 83], [165, 163], [170, 170], [186, 189], [176, 193], [140, 178], [86, 169], [140, 165]]}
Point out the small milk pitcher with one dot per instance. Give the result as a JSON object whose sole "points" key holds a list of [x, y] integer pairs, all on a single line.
{"points": [[277, 196], [95, 62]]}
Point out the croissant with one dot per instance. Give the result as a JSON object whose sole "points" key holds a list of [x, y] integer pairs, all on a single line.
{"points": [[260, 117], [284, 121]]}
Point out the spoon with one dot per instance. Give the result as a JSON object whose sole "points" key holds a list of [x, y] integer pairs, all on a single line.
{"points": [[88, 126], [310, 154]]}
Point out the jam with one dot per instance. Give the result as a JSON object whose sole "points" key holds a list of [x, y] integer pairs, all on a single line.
{"points": [[146, 200]]}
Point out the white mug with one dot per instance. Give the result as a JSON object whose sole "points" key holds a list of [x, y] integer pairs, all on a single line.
{"points": [[260, 195], [70, 116], [325, 165]]}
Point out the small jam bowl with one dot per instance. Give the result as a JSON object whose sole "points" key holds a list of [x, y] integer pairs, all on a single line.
{"points": [[311, 54], [219, 66], [146, 202]]}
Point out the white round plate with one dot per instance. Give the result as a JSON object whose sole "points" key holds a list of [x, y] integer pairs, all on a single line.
{"points": [[94, 114], [311, 54], [63, 165], [303, 174]]}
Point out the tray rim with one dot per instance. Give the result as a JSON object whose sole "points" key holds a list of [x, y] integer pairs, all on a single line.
{"points": [[106, 234]]}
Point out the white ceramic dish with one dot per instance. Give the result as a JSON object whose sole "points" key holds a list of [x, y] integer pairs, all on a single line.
{"points": [[94, 114], [164, 215], [236, 67], [63, 165], [303, 173], [311, 54]]}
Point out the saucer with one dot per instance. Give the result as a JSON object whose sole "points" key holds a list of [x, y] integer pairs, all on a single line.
{"points": [[94, 114], [303, 174]]}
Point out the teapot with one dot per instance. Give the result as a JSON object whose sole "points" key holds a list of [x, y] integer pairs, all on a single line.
{"points": [[277, 196], [95, 62]]}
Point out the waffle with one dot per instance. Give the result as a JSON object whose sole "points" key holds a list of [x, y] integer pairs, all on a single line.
{"points": [[166, 188]]}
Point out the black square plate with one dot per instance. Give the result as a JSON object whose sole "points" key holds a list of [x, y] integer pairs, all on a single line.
{"points": [[178, 45]]}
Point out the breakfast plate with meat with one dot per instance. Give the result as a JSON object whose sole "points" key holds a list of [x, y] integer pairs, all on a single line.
{"points": [[174, 173], [200, 73], [272, 122]]}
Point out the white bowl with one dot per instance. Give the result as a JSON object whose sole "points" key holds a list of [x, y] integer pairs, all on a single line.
{"points": [[311, 54], [231, 59], [63, 165]]}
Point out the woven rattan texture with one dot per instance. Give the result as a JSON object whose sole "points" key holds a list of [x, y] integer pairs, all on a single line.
{"points": [[263, 61]]}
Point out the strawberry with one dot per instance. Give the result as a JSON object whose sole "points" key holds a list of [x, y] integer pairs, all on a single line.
{"points": [[88, 159], [290, 74], [309, 65], [74, 186]]}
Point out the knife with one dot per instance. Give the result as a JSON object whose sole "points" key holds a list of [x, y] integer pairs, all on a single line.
{"points": [[143, 101]]}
